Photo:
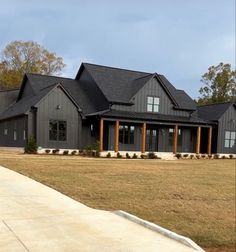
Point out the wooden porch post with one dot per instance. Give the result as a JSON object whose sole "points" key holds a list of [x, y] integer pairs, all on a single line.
{"points": [[116, 147], [175, 139], [209, 141], [143, 143], [198, 143], [101, 134]]}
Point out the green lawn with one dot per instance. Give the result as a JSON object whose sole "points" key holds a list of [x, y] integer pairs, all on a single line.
{"points": [[195, 198]]}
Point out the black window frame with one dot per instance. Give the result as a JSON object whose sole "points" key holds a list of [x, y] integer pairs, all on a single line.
{"points": [[126, 134], [59, 134]]}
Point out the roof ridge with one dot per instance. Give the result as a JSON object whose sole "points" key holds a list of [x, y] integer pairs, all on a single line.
{"points": [[52, 76], [144, 76], [124, 69], [212, 104]]}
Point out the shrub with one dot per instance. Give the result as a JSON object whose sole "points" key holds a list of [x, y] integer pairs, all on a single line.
{"points": [[152, 155], [209, 156], [108, 155], [55, 151], [73, 152], [231, 156], [143, 156], [88, 150], [192, 156], [198, 156], [185, 155], [118, 155], [224, 157], [47, 151], [31, 146], [178, 155], [135, 156], [216, 156], [65, 152], [203, 155], [127, 155]]}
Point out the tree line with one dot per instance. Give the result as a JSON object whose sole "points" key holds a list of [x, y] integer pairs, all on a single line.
{"points": [[20, 57]]}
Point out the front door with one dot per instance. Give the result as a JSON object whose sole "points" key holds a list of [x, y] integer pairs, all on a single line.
{"points": [[151, 140]]}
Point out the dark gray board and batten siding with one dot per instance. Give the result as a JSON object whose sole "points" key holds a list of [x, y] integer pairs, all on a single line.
{"points": [[152, 88], [47, 110], [227, 122]]}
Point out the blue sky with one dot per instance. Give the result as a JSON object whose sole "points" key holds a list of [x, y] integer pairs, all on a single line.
{"points": [[178, 38]]}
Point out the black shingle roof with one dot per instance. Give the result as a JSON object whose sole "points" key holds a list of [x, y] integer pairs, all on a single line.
{"points": [[213, 112], [120, 85], [7, 97], [153, 117]]}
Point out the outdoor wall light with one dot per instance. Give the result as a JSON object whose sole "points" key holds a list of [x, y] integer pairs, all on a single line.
{"points": [[58, 107]]}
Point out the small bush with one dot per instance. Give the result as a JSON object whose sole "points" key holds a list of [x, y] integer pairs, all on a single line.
{"points": [[209, 156], [47, 151], [135, 156], [118, 155], [73, 152], [127, 155], [216, 156], [231, 156], [31, 146], [192, 156], [185, 155], [224, 157], [203, 155], [178, 155], [108, 155], [65, 152], [143, 156], [55, 151], [152, 155], [198, 156]]}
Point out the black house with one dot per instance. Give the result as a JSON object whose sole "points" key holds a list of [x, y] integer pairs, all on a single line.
{"points": [[125, 110]]}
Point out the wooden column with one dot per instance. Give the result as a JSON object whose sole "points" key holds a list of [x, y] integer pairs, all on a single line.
{"points": [[175, 139], [101, 134], [209, 141], [198, 143], [116, 147], [143, 142]]}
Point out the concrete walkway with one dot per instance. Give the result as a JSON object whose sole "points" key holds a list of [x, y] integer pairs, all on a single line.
{"points": [[34, 217]]}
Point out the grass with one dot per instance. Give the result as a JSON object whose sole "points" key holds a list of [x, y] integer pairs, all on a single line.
{"points": [[195, 198]]}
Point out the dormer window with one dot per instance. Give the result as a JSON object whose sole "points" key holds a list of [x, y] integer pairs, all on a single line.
{"points": [[153, 103]]}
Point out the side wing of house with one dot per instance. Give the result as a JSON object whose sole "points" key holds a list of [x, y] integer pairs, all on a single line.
{"points": [[58, 122], [227, 131]]}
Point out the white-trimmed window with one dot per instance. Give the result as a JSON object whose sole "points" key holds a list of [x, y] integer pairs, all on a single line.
{"points": [[153, 104], [5, 132], [230, 137]]}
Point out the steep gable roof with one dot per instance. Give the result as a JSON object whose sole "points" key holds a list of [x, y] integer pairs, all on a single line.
{"points": [[213, 112], [7, 97], [120, 85]]}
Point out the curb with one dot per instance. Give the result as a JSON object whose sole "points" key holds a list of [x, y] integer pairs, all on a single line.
{"points": [[182, 239]]}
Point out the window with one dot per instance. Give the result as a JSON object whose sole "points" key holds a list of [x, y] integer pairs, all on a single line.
{"points": [[230, 137], [126, 134], [171, 137], [153, 104], [14, 135], [24, 135], [57, 130], [5, 132]]}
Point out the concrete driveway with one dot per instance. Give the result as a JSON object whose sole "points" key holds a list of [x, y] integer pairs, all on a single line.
{"points": [[34, 217]]}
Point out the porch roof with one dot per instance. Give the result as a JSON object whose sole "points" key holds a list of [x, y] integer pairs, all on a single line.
{"points": [[118, 114]]}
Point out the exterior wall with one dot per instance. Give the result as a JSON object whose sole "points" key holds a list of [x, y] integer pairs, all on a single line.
{"points": [[152, 88], [47, 110], [226, 122], [17, 125]]}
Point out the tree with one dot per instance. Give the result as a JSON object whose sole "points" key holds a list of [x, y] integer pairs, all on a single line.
{"points": [[20, 57], [219, 85]]}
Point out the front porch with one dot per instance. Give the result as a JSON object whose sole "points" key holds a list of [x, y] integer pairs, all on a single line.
{"points": [[162, 137]]}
